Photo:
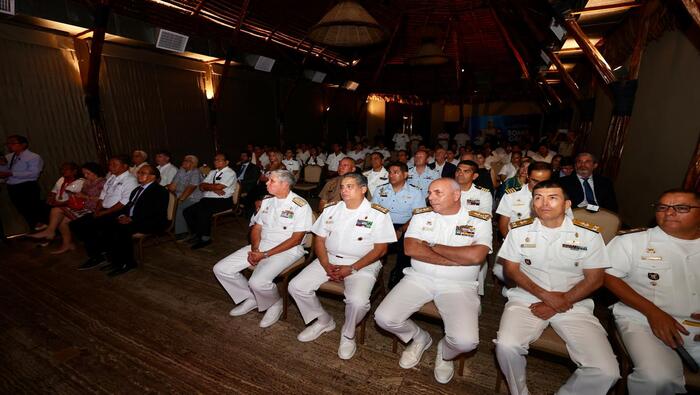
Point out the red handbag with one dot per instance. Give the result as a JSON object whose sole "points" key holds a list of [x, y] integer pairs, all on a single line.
{"points": [[75, 202]]}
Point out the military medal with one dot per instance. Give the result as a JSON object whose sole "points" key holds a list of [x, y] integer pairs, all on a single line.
{"points": [[653, 276]]}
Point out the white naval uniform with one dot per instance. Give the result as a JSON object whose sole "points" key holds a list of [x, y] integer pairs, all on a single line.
{"points": [[279, 218], [400, 141], [554, 259], [477, 198], [666, 271], [292, 165], [452, 288], [349, 235], [333, 160], [376, 178]]}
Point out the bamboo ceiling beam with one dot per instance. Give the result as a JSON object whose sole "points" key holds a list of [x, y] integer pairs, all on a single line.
{"points": [[549, 90], [242, 15], [609, 7], [509, 41], [198, 8], [601, 67]]}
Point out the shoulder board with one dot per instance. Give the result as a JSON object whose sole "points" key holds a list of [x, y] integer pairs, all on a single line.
{"points": [[522, 222], [630, 231], [299, 201], [330, 204], [267, 197], [482, 188], [480, 215], [411, 185], [383, 185], [422, 210], [512, 190], [380, 208], [586, 225]]}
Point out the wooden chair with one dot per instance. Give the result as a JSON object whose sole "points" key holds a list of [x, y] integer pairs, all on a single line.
{"points": [[311, 180], [430, 311], [169, 230], [608, 221], [283, 278], [338, 289], [226, 213]]}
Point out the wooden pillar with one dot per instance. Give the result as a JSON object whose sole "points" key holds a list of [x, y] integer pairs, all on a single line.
{"points": [[565, 76], [600, 66]]}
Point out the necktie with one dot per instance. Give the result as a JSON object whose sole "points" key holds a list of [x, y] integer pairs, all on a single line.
{"points": [[588, 191], [132, 202], [12, 161], [243, 169]]}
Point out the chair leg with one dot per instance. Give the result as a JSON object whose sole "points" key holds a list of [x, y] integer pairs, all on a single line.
{"points": [[395, 345], [363, 325], [285, 297], [140, 253], [460, 369]]}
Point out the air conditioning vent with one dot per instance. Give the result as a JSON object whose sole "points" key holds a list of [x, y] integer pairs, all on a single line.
{"points": [[7, 7], [171, 41], [315, 76], [264, 64]]}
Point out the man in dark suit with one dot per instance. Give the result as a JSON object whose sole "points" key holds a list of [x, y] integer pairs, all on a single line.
{"points": [[247, 175], [447, 169], [146, 212], [585, 188]]}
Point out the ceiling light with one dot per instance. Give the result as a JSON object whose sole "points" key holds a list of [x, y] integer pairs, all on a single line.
{"points": [[347, 24]]}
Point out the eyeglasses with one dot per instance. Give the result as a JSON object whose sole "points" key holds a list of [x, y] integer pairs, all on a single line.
{"points": [[679, 208]]}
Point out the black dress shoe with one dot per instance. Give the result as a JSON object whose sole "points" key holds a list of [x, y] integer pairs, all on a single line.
{"points": [[93, 263], [120, 269], [200, 244], [107, 268]]}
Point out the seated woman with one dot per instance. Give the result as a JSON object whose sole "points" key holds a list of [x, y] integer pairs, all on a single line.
{"points": [[69, 182], [185, 186], [79, 203]]}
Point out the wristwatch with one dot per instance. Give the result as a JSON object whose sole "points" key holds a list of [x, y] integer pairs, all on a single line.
{"points": [[352, 269], [265, 254]]}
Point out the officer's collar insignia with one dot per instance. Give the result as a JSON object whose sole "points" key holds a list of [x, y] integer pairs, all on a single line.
{"points": [[480, 215], [522, 222], [422, 210], [513, 190], [299, 201], [380, 208], [586, 225]]}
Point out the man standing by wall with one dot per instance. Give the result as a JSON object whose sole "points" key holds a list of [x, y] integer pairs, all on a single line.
{"points": [[21, 174]]}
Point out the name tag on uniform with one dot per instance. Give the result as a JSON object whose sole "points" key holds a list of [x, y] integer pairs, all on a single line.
{"points": [[464, 230], [383, 178], [528, 245], [287, 214], [652, 258], [363, 223], [383, 195], [575, 247], [474, 201]]}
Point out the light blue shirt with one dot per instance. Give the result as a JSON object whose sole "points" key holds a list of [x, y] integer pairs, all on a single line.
{"points": [[400, 204], [25, 166], [422, 181]]}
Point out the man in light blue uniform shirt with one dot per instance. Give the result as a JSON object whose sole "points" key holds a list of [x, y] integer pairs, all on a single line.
{"points": [[421, 175], [401, 199], [21, 171]]}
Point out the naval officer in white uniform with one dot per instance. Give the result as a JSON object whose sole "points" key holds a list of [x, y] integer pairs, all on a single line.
{"points": [[447, 244], [556, 263], [350, 238], [656, 275], [276, 236]]}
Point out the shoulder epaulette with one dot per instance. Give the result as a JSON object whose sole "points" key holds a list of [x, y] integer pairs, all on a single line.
{"points": [[586, 225], [630, 231], [330, 204], [482, 188], [380, 208], [522, 222], [267, 197], [299, 201], [422, 210], [383, 185], [512, 190], [411, 185], [480, 215]]}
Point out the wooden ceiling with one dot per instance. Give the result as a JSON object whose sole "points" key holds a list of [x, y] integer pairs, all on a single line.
{"points": [[471, 32]]}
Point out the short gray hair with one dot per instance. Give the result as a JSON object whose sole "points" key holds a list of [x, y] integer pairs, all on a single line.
{"points": [[451, 181], [595, 158], [359, 178], [194, 159], [285, 176]]}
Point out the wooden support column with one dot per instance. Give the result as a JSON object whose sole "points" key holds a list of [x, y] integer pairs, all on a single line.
{"points": [[553, 95], [565, 76], [89, 61], [601, 67], [693, 7]]}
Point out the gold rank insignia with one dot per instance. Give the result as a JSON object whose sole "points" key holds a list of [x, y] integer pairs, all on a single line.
{"points": [[480, 215], [330, 204], [380, 208], [629, 231], [482, 188], [512, 190], [586, 225], [422, 210], [299, 201], [522, 222]]}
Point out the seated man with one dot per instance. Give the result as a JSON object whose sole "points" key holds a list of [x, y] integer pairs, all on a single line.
{"points": [[350, 238], [587, 189], [377, 175], [447, 243], [115, 195], [473, 197], [218, 188], [556, 263], [330, 193], [146, 212], [656, 275], [276, 235]]}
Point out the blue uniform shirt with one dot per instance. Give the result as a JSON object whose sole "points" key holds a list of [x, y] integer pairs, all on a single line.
{"points": [[400, 204], [422, 181]]}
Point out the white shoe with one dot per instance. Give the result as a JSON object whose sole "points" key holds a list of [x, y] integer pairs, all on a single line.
{"points": [[412, 355], [313, 331], [272, 314], [347, 348], [243, 308], [444, 370]]}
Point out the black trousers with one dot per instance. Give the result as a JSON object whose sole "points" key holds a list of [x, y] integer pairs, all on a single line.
{"points": [[198, 216], [120, 246], [27, 199], [402, 260], [94, 232]]}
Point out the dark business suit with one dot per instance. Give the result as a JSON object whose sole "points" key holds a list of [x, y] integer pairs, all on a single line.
{"points": [[250, 177], [150, 215], [603, 191], [448, 169]]}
